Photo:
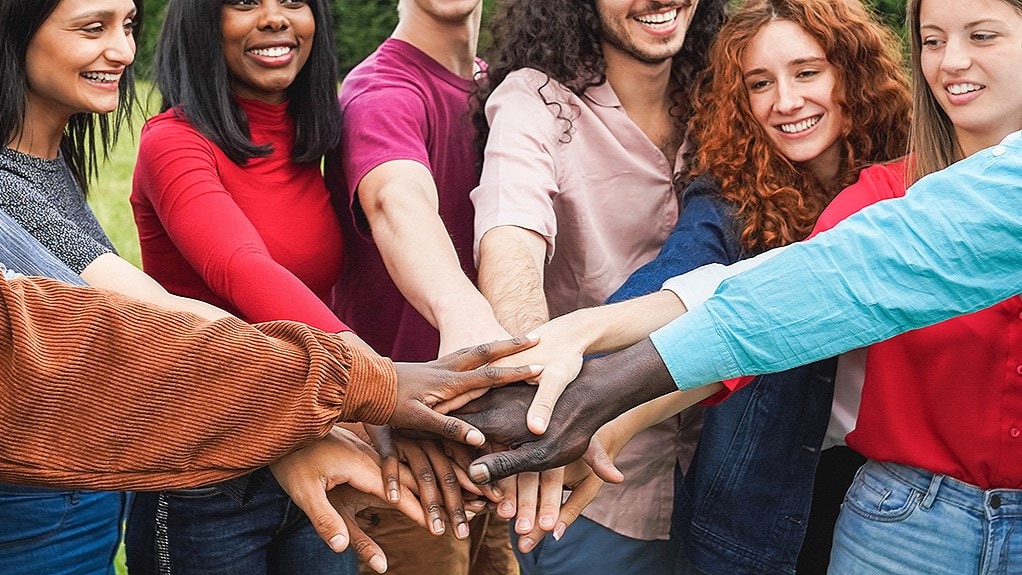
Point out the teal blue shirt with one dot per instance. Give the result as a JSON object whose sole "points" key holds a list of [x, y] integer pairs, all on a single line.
{"points": [[951, 246]]}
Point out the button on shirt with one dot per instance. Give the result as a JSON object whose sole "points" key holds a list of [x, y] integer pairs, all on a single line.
{"points": [[601, 194], [946, 398], [952, 245]]}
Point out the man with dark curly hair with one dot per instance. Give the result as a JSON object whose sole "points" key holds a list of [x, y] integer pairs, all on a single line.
{"points": [[584, 122]]}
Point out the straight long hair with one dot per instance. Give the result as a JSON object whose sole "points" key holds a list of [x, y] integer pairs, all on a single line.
{"points": [[85, 133], [192, 77], [933, 142]]}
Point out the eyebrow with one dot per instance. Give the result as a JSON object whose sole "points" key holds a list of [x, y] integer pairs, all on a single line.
{"points": [[795, 62], [101, 15], [972, 24]]}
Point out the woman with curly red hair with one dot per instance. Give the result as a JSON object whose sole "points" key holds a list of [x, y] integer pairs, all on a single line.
{"points": [[798, 98]]}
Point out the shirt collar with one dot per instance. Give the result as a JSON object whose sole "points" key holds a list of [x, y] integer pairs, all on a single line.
{"points": [[603, 95]]}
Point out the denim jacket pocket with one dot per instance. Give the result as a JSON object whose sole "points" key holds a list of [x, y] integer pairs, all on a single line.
{"points": [[878, 496]]}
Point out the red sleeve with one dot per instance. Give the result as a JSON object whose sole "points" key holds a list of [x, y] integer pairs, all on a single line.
{"points": [[177, 171]]}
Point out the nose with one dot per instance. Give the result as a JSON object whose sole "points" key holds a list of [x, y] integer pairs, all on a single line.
{"points": [[273, 17], [956, 55], [789, 99], [120, 48]]}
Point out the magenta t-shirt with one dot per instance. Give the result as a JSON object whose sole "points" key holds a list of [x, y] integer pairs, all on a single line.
{"points": [[399, 104]]}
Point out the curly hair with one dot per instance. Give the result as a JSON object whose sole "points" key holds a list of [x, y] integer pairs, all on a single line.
{"points": [[777, 201], [562, 38]]}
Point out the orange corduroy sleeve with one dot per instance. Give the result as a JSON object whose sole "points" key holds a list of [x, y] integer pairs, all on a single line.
{"points": [[100, 391]]}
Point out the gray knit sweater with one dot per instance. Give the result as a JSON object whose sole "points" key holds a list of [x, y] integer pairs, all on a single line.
{"points": [[43, 197]]}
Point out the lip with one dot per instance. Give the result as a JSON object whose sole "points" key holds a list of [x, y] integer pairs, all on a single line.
{"points": [[962, 99], [109, 85], [801, 134], [659, 29], [272, 61]]}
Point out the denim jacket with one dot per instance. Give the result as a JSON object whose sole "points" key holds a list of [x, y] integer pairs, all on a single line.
{"points": [[746, 497]]}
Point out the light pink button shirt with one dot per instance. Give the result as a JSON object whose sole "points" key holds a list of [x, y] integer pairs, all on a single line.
{"points": [[601, 194]]}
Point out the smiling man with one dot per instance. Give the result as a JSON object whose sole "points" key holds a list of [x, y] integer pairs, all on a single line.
{"points": [[586, 109]]}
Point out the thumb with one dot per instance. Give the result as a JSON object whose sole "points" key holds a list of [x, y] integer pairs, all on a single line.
{"points": [[324, 518], [602, 463]]}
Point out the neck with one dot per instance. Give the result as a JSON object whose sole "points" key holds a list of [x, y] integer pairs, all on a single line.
{"points": [[970, 142], [826, 166], [40, 133], [645, 94], [452, 43]]}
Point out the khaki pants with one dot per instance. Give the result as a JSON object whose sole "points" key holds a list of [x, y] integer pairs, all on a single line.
{"points": [[412, 550]]}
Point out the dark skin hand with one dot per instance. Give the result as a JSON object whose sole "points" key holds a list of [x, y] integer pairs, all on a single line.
{"points": [[423, 386], [605, 388]]}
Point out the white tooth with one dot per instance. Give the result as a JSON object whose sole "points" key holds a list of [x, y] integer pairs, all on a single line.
{"points": [[271, 52], [662, 18]]}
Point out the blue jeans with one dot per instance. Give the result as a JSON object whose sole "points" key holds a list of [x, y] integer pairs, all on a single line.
{"points": [[901, 520], [59, 532], [588, 547], [747, 494], [195, 531]]}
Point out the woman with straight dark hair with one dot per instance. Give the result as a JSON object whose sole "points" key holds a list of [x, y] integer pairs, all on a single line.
{"points": [[232, 209], [66, 90]]}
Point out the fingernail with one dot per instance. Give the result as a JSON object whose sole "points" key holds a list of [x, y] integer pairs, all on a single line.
{"points": [[474, 437], [394, 497], [462, 531], [479, 473], [524, 525], [498, 492], [559, 531], [338, 543], [546, 522], [525, 544], [531, 336], [506, 509], [535, 367], [378, 563], [438, 526], [537, 424]]}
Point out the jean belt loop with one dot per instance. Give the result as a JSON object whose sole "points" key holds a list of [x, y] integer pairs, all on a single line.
{"points": [[931, 493]]}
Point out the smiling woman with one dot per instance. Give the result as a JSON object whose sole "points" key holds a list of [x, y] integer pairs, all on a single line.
{"points": [[232, 209]]}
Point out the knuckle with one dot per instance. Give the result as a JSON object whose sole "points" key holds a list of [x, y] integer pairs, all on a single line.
{"points": [[492, 372], [450, 480]]}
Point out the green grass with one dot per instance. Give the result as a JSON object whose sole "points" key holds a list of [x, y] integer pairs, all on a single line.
{"points": [[108, 194]]}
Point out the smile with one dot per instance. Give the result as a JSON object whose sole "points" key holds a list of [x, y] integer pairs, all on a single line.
{"points": [[799, 126], [964, 88], [274, 52], [661, 19], [103, 77]]}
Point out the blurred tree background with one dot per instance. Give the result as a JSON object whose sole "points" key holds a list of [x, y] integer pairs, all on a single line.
{"points": [[362, 24]]}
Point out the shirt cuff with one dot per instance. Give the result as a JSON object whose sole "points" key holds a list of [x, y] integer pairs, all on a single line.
{"points": [[693, 351], [371, 394], [697, 286]]}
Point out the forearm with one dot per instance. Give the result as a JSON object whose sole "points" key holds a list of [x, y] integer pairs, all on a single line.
{"points": [[511, 277], [420, 256], [105, 392], [950, 246]]}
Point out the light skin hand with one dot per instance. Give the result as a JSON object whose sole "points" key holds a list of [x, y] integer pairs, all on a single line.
{"points": [[315, 477], [423, 386]]}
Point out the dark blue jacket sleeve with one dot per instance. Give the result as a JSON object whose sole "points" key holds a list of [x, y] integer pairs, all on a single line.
{"points": [[705, 233]]}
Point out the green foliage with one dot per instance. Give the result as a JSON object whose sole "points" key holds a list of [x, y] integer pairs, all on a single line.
{"points": [[360, 26]]}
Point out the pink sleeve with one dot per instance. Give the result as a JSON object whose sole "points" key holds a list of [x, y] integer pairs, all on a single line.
{"points": [[177, 170], [519, 178], [381, 126]]}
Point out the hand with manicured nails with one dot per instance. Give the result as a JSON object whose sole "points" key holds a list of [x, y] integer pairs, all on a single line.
{"points": [[421, 387]]}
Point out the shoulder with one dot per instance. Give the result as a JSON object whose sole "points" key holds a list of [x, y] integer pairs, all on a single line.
{"points": [[167, 131], [876, 183]]}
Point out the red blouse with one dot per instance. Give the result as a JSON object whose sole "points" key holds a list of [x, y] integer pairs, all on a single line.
{"points": [[947, 398]]}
